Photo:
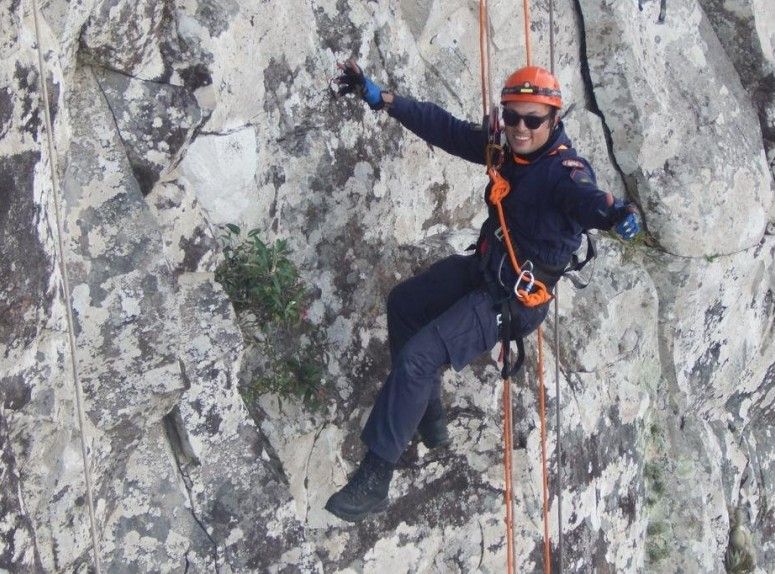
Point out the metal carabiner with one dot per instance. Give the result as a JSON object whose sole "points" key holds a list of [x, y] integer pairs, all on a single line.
{"points": [[526, 275]]}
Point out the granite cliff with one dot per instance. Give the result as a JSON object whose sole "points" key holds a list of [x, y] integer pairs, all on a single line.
{"points": [[171, 119]]}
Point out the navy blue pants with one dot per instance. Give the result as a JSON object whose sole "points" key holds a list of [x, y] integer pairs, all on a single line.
{"points": [[443, 316]]}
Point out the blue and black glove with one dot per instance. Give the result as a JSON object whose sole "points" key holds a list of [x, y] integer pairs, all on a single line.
{"points": [[625, 219], [352, 81]]}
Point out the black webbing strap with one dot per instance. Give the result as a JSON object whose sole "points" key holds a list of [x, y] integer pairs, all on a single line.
{"points": [[505, 332], [578, 264], [502, 298]]}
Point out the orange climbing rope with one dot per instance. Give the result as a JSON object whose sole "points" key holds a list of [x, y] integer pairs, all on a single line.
{"points": [[533, 293], [484, 56], [542, 387], [528, 47], [507, 449], [492, 150], [542, 409]]}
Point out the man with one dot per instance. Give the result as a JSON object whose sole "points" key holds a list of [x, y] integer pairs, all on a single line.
{"points": [[449, 314]]}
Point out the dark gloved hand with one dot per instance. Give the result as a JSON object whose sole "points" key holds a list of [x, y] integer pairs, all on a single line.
{"points": [[625, 219], [352, 81]]}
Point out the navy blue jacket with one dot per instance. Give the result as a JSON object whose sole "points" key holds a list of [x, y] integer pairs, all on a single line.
{"points": [[553, 198]]}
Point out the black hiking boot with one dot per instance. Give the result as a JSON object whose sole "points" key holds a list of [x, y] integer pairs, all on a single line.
{"points": [[365, 493], [433, 426]]}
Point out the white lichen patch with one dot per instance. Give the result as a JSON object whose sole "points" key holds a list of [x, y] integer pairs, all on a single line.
{"points": [[391, 555], [221, 169]]}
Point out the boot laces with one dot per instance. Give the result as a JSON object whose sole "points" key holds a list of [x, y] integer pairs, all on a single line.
{"points": [[367, 480]]}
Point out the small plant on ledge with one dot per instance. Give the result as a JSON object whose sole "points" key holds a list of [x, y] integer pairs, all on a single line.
{"points": [[266, 290]]}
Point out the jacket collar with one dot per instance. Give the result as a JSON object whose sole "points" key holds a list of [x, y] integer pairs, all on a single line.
{"points": [[557, 138]]}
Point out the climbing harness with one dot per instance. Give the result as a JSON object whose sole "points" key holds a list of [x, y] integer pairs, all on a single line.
{"points": [[66, 290]]}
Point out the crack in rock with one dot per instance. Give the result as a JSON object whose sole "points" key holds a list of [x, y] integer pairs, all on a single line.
{"points": [[183, 453]]}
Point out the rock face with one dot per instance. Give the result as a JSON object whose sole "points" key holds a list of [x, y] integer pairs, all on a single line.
{"points": [[673, 101], [121, 358]]}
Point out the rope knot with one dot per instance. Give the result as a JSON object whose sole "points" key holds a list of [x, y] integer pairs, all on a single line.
{"points": [[500, 186]]}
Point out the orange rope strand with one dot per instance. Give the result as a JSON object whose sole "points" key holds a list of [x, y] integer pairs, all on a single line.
{"points": [[505, 229], [496, 197], [507, 423], [507, 493], [500, 188], [528, 48], [483, 52], [542, 404]]}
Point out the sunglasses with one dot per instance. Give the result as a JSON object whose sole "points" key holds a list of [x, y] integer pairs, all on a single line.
{"points": [[512, 119]]}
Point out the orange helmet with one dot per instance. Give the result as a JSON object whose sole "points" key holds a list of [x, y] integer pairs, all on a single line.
{"points": [[532, 84]]}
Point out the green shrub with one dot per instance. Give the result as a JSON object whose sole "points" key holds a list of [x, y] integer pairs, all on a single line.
{"points": [[656, 528], [656, 551], [292, 376], [260, 277], [261, 280]]}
